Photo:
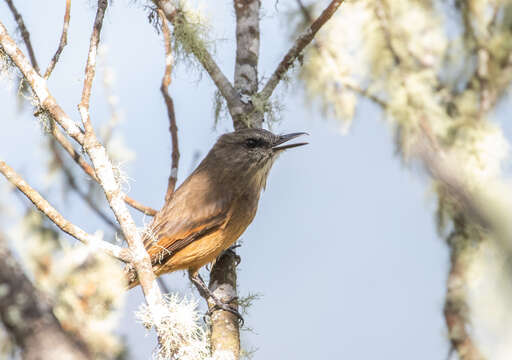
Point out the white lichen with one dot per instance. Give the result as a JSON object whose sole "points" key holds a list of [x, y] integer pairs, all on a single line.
{"points": [[86, 287], [182, 336]]}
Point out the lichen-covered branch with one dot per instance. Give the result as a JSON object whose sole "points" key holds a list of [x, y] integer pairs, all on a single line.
{"points": [[75, 155], [297, 49], [29, 319], [62, 43], [45, 207], [70, 178], [164, 89], [24, 33], [456, 309], [48, 103], [111, 187], [38, 85], [322, 49], [235, 105]]}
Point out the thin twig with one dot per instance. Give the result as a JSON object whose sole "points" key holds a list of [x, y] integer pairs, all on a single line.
{"points": [[319, 46], [235, 105], [305, 11], [62, 43], [138, 206], [44, 206], [297, 48], [24, 33], [75, 155], [38, 85], [173, 128], [90, 69]]}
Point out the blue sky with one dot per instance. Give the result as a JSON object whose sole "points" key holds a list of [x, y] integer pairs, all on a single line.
{"points": [[343, 249]]}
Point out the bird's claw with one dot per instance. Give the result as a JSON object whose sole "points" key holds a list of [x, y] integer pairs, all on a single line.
{"points": [[220, 305]]}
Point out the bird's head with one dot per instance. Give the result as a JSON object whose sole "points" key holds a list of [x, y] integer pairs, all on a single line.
{"points": [[251, 152]]}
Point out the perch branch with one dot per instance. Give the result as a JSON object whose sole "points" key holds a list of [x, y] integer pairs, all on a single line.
{"points": [[225, 331], [65, 225]]}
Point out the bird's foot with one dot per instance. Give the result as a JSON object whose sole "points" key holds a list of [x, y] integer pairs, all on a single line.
{"points": [[205, 292], [219, 304]]}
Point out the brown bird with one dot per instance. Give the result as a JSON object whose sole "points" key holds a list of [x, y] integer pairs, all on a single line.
{"points": [[214, 205]]}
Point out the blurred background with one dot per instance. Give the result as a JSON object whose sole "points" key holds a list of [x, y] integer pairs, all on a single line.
{"points": [[345, 252]]}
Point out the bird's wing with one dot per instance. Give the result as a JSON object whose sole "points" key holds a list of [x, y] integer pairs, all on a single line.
{"points": [[193, 212]]}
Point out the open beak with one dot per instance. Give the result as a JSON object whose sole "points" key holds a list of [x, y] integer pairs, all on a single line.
{"points": [[288, 137]]}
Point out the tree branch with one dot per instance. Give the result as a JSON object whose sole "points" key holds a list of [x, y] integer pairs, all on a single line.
{"points": [[65, 225], [235, 105], [62, 43], [449, 175], [72, 183], [30, 320], [247, 56], [173, 128], [38, 85], [90, 71], [297, 49], [456, 309], [225, 332], [24, 33], [383, 17], [47, 102], [326, 51], [107, 180], [63, 141]]}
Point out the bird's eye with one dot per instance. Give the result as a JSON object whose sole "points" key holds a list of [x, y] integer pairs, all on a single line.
{"points": [[251, 143]]}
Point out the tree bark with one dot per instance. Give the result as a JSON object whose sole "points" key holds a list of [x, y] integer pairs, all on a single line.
{"points": [[225, 332], [29, 319]]}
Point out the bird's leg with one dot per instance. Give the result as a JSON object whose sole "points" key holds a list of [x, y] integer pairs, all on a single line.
{"points": [[205, 292], [197, 280]]}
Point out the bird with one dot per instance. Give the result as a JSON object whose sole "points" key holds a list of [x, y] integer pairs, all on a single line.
{"points": [[211, 209]]}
